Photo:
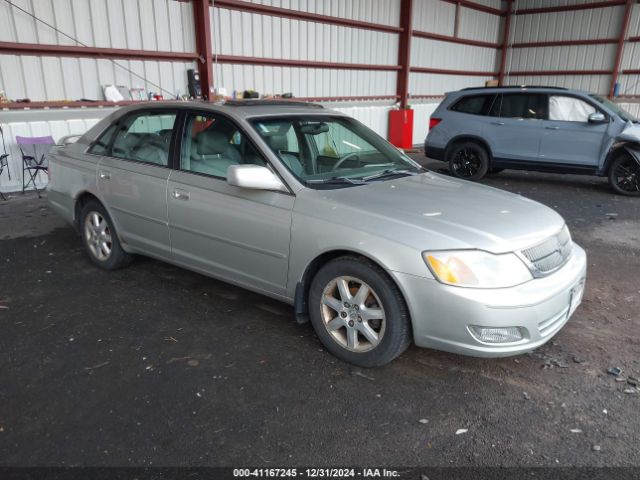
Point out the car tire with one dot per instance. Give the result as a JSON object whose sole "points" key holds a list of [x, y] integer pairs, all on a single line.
{"points": [[100, 239], [468, 160], [624, 175], [358, 312]]}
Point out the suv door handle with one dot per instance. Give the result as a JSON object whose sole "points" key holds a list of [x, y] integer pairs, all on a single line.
{"points": [[180, 194], [551, 127], [497, 123], [104, 174]]}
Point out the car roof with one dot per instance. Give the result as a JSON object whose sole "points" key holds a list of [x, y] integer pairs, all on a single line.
{"points": [[522, 88], [240, 108]]}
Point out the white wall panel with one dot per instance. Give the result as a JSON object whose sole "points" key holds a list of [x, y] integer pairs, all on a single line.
{"points": [[437, 54], [592, 83], [478, 25], [522, 4], [133, 24], [386, 12], [632, 107], [254, 35], [428, 84], [375, 117], [434, 16], [573, 25], [305, 82], [64, 78], [629, 84], [574, 57]]}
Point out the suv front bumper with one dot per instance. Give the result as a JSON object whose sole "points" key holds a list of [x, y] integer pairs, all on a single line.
{"points": [[442, 314]]}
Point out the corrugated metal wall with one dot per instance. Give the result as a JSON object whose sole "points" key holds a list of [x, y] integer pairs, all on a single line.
{"points": [[164, 25], [557, 26], [630, 84]]}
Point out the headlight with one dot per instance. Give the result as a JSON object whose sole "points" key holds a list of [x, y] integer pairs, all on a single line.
{"points": [[475, 268]]}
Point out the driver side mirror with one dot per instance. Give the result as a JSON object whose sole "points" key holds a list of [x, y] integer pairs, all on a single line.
{"points": [[597, 117], [254, 177]]}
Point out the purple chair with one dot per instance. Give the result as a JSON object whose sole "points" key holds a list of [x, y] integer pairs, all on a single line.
{"points": [[32, 148]]}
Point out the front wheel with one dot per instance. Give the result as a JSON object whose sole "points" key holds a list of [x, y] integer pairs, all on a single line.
{"points": [[358, 312], [468, 160], [624, 175]]}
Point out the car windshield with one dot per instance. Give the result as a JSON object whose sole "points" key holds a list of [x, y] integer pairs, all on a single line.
{"points": [[333, 152], [621, 112]]}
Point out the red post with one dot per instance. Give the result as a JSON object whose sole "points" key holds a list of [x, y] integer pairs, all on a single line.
{"points": [[404, 52], [401, 121], [623, 33], [505, 42], [203, 46]]}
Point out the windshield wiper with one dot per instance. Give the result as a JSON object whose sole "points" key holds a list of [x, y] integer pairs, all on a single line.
{"points": [[337, 181], [389, 173]]}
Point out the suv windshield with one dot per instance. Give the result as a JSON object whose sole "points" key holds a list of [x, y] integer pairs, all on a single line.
{"points": [[331, 152], [621, 112]]}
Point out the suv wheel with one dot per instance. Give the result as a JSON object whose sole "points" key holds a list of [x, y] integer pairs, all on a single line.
{"points": [[100, 239], [468, 160], [358, 312], [624, 175]]}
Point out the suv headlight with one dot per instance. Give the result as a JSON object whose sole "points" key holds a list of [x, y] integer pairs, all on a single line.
{"points": [[478, 269]]}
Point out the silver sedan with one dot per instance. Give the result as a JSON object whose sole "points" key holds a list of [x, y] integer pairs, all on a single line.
{"points": [[308, 206]]}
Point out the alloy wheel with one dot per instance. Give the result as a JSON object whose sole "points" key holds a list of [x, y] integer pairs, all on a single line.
{"points": [[467, 162], [98, 236], [353, 314], [627, 175]]}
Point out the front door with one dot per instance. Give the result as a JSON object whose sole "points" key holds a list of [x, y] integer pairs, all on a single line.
{"points": [[569, 138], [238, 235], [132, 180]]}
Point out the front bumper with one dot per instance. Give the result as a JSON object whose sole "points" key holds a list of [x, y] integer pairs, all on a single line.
{"points": [[441, 314]]}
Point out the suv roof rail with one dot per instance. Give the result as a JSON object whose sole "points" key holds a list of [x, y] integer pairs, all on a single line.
{"points": [[266, 102], [519, 86]]}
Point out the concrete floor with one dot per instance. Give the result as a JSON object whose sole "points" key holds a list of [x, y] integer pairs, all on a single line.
{"points": [[154, 365]]}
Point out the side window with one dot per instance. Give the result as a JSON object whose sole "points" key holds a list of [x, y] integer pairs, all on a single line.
{"points": [[145, 137], [522, 105], [101, 146], [569, 109], [475, 105], [211, 144]]}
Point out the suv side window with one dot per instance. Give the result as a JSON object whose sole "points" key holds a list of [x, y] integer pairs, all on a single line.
{"points": [[474, 104], [520, 105], [569, 109], [211, 144], [145, 137]]}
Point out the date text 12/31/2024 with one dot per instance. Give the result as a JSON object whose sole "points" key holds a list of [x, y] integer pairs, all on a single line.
{"points": [[315, 473]]}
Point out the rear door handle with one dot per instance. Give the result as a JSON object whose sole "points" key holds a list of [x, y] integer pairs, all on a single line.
{"points": [[550, 127], [497, 123], [180, 194], [104, 175]]}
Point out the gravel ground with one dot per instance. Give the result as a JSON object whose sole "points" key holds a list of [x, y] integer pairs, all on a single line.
{"points": [[155, 365]]}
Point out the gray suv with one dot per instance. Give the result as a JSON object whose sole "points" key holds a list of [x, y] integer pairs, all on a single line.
{"points": [[485, 130]]}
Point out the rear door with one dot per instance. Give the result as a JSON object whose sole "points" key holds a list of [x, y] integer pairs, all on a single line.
{"points": [[132, 180], [568, 136], [239, 235], [515, 127]]}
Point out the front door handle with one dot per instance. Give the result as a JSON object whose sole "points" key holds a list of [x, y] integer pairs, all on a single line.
{"points": [[104, 175], [180, 194], [551, 127], [497, 123]]}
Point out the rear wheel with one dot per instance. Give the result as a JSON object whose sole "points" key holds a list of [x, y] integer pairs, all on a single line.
{"points": [[358, 312], [100, 239], [468, 160], [624, 175]]}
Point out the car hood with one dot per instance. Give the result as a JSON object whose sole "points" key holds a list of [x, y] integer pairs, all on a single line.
{"points": [[431, 211]]}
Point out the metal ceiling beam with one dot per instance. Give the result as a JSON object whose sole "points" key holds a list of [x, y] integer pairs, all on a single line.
{"points": [[450, 39], [404, 52], [203, 46], [569, 8], [623, 33]]}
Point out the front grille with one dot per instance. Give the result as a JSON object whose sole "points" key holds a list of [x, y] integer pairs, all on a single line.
{"points": [[551, 254]]}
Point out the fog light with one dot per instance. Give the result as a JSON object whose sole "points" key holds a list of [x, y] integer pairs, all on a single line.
{"points": [[496, 335]]}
